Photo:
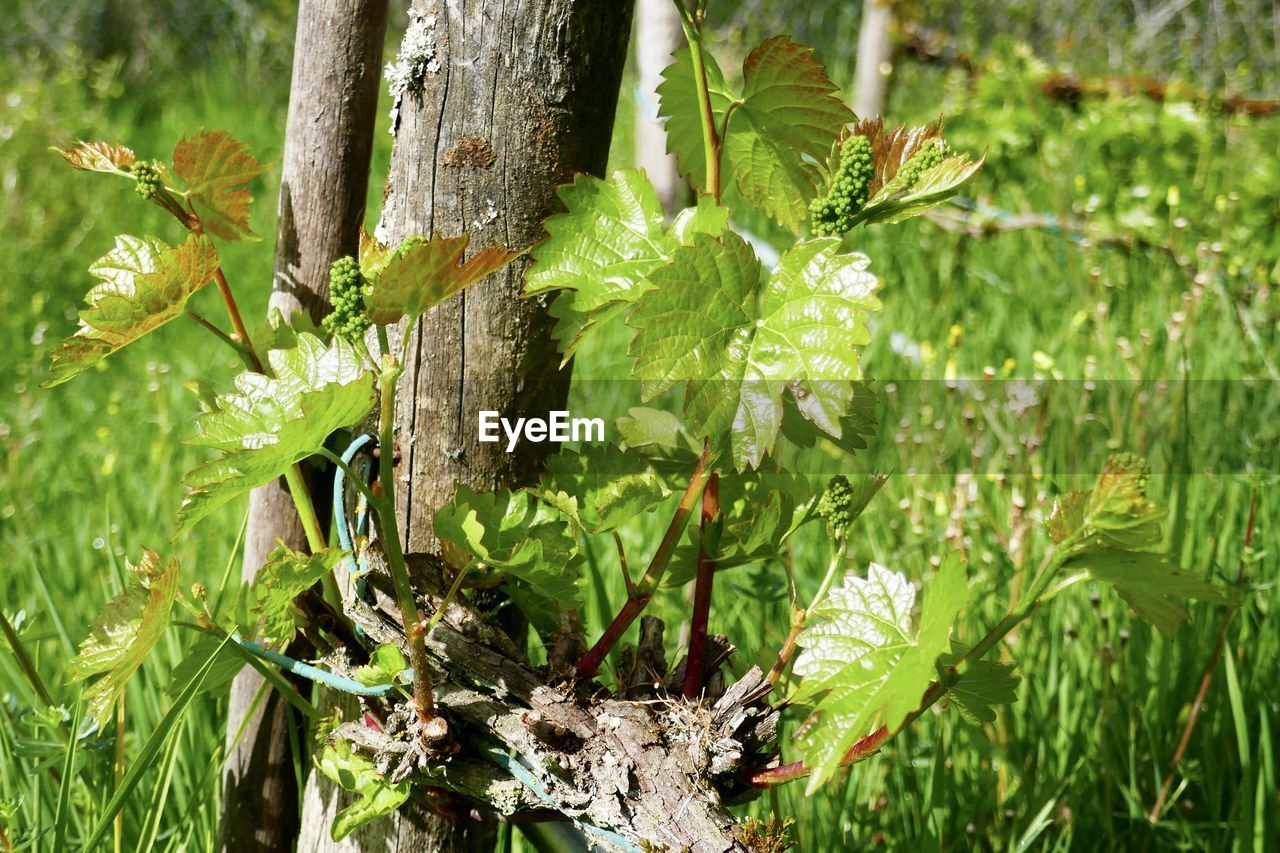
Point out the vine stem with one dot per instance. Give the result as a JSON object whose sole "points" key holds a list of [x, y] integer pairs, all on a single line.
{"points": [[691, 23], [695, 660], [639, 597], [1206, 679], [797, 620], [415, 629]]}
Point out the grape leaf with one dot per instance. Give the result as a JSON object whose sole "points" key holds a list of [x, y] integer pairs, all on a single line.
{"points": [[386, 665], [99, 157], [286, 575], [521, 536], [863, 663], [780, 128], [608, 486], [269, 423], [742, 341], [214, 165], [678, 107], [857, 424], [125, 632], [145, 284], [599, 253], [1115, 513], [357, 773], [1148, 583], [752, 531], [420, 274], [983, 685], [644, 426]]}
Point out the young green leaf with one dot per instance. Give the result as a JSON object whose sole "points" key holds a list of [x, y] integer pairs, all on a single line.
{"points": [[780, 128], [863, 663], [742, 342], [145, 284], [356, 773], [270, 423], [420, 274], [1149, 583], [599, 253], [125, 632], [644, 426], [1115, 513], [286, 575], [521, 536], [678, 107], [386, 666], [983, 685], [99, 157], [609, 486], [215, 166]]}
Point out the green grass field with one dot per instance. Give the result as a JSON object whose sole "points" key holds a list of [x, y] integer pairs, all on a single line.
{"points": [[1174, 279]]}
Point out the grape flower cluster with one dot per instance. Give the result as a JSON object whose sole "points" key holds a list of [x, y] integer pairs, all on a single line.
{"points": [[146, 179], [838, 504], [833, 213], [933, 153], [348, 289]]}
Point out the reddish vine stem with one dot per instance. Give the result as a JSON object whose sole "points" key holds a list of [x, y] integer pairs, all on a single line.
{"points": [[639, 597], [695, 660], [1203, 691], [797, 769]]}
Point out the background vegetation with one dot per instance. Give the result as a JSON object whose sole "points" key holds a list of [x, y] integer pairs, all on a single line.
{"points": [[1142, 244]]}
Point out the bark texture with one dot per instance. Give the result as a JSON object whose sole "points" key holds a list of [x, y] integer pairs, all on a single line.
{"points": [[643, 768], [324, 181], [496, 102]]}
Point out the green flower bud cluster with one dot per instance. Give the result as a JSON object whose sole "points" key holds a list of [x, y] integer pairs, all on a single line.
{"points": [[348, 289], [833, 213], [933, 153], [146, 177], [838, 504]]}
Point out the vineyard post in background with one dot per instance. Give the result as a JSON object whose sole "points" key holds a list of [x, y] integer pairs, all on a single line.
{"points": [[658, 36], [495, 108], [323, 183], [875, 48]]}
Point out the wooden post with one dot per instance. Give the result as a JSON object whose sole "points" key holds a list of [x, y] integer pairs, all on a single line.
{"points": [[658, 36], [324, 180], [874, 50], [496, 105]]}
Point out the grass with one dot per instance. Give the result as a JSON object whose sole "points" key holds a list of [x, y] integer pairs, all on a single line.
{"points": [[90, 471]]}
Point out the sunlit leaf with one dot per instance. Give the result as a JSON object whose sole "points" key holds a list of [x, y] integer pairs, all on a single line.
{"points": [[286, 575], [521, 536], [125, 632], [145, 284], [420, 274], [862, 664], [386, 665], [599, 253], [99, 157], [215, 166], [269, 423], [357, 774], [610, 486], [742, 340], [780, 130]]}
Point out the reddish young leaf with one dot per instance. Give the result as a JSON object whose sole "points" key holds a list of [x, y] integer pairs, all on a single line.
{"points": [[99, 157], [215, 166], [422, 273], [145, 284]]}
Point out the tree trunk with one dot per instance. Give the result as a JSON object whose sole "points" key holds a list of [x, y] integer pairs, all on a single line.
{"points": [[325, 176], [496, 104]]}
